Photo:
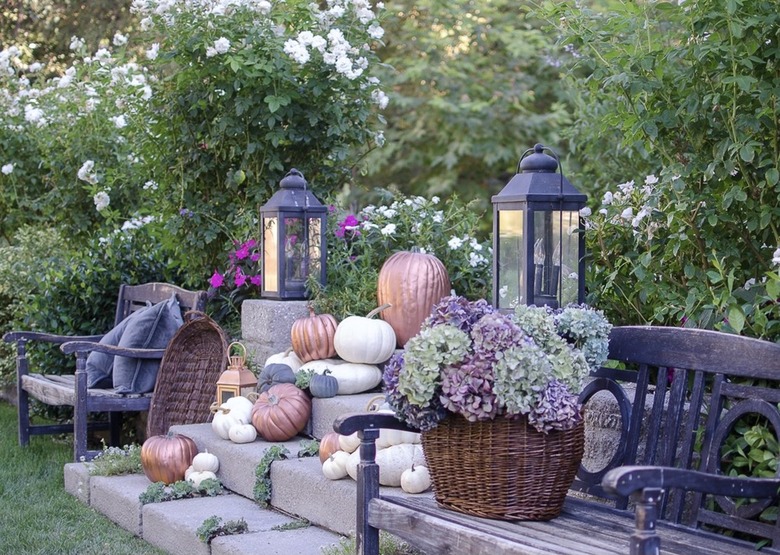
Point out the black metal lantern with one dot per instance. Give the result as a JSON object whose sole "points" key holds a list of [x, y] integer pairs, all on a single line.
{"points": [[538, 236], [292, 239]]}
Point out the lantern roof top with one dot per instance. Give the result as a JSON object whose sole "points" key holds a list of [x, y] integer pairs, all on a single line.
{"points": [[293, 196], [538, 181]]}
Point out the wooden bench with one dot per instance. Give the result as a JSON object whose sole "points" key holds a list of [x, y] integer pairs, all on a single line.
{"points": [[71, 390], [677, 395]]}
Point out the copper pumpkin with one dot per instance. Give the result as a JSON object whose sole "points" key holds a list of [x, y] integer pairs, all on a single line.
{"points": [[281, 412], [165, 458], [312, 336], [411, 282]]}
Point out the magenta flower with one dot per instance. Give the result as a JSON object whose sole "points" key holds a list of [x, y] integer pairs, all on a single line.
{"points": [[240, 278], [243, 251], [350, 223], [256, 280], [217, 280]]}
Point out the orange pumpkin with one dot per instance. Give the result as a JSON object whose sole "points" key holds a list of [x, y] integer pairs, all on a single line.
{"points": [[281, 412], [329, 444], [312, 336], [411, 282], [165, 458]]}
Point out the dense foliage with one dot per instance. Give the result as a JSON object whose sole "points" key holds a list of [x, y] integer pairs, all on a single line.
{"points": [[680, 106]]}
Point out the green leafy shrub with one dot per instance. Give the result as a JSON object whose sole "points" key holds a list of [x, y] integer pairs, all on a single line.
{"points": [[115, 461], [246, 92], [687, 96], [213, 527], [358, 245]]}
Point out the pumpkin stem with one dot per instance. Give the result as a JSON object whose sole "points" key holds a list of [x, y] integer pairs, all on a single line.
{"points": [[378, 309]]}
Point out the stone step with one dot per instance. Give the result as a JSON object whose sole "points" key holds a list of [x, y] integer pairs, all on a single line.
{"points": [[299, 492], [172, 525]]}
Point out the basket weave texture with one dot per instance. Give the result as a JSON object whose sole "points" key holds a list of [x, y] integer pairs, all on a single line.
{"points": [[502, 469], [187, 381]]}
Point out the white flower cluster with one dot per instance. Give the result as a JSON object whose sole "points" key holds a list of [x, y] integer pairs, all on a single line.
{"points": [[776, 258], [334, 48], [86, 172], [101, 200], [623, 201], [220, 46], [7, 169]]}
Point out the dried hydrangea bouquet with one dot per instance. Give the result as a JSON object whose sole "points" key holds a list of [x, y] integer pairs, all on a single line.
{"points": [[478, 377]]}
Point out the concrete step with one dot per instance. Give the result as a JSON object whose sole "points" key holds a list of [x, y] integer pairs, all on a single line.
{"points": [[299, 492], [172, 525]]}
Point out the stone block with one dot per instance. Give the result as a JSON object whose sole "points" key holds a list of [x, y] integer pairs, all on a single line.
{"points": [[266, 325], [76, 477], [117, 498]]}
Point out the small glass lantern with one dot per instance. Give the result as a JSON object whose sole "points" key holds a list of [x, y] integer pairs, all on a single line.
{"points": [[292, 239], [237, 379], [538, 236]]}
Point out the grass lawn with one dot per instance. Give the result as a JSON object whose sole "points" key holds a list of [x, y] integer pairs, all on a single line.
{"points": [[37, 515]]}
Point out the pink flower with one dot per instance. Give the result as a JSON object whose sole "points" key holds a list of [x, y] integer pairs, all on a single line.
{"points": [[256, 280], [240, 278], [217, 280], [255, 257], [348, 224], [242, 252]]}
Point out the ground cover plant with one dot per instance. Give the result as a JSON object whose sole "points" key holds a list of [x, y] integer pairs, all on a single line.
{"points": [[38, 516]]}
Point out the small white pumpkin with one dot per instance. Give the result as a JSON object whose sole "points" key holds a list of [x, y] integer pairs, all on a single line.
{"points": [[287, 357], [352, 377], [335, 466], [349, 443], [197, 477], [416, 479], [243, 433], [365, 340], [205, 461], [223, 420], [240, 406], [395, 459], [187, 472]]}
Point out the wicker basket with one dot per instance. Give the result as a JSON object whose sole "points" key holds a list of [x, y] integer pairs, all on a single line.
{"points": [[502, 469], [187, 381]]}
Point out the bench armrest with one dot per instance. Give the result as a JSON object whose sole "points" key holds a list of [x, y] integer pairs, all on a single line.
{"points": [[347, 424], [14, 336], [89, 346], [628, 480]]}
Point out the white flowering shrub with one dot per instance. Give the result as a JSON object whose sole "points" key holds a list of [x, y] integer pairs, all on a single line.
{"points": [[359, 243], [212, 103], [70, 143], [651, 263], [248, 90]]}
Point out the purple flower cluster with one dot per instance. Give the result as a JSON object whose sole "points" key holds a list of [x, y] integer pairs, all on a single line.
{"points": [[458, 312], [422, 418], [243, 267]]}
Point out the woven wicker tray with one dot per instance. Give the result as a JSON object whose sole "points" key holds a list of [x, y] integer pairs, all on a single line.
{"points": [[187, 380]]}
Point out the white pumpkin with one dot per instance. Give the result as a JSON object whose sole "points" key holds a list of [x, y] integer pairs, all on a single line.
{"points": [[416, 479], [388, 437], [197, 477], [395, 459], [335, 466], [240, 406], [349, 443], [187, 472], [392, 462], [352, 377], [365, 340], [223, 420], [205, 461], [288, 357], [242, 433]]}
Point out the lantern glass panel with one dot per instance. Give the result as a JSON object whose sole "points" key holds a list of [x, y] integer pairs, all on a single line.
{"points": [[270, 261], [294, 250], [315, 246], [555, 257], [511, 281]]}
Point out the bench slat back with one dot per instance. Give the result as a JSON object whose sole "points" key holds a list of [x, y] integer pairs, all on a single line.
{"points": [[678, 396], [135, 297]]}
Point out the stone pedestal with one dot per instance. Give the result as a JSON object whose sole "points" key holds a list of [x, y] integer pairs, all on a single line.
{"points": [[266, 325]]}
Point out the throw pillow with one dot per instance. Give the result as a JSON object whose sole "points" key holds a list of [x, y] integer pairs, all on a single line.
{"points": [[100, 365], [151, 330]]}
